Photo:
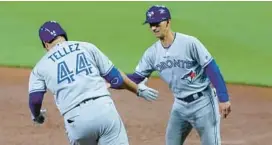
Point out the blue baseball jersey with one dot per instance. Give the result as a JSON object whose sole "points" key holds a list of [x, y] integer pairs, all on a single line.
{"points": [[181, 65], [72, 71]]}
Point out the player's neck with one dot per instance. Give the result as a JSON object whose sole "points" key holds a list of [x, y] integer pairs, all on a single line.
{"points": [[55, 42], [168, 39]]}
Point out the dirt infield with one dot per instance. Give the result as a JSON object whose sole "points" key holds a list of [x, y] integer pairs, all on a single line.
{"points": [[250, 123]]}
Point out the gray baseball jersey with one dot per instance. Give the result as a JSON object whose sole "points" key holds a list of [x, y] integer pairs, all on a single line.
{"points": [[180, 66], [72, 71]]}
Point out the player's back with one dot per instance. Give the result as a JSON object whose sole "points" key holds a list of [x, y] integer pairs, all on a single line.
{"points": [[72, 72]]}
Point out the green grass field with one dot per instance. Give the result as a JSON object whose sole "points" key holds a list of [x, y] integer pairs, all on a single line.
{"points": [[238, 34]]}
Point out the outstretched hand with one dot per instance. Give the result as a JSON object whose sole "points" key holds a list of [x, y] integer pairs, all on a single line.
{"points": [[147, 93]]}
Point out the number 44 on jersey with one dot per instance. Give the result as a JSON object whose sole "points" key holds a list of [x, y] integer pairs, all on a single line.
{"points": [[82, 66]]}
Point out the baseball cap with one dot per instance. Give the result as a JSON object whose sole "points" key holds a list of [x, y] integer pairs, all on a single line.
{"points": [[50, 30], [157, 14]]}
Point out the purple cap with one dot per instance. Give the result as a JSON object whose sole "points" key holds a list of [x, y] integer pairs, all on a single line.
{"points": [[50, 30], [157, 14]]}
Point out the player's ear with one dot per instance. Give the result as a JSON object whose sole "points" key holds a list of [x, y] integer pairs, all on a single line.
{"points": [[168, 23], [46, 45]]}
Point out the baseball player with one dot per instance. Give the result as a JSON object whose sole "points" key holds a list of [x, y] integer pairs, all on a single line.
{"points": [[75, 73], [184, 63]]}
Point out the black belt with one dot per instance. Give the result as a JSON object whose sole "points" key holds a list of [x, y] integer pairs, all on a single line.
{"points": [[86, 100], [193, 97]]}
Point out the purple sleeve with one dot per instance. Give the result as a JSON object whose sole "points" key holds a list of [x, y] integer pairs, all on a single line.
{"points": [[214, 74], [114, 78], [136, 78], [35, 102]]}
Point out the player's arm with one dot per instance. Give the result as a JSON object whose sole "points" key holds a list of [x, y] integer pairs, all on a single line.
{"points": [[204, 58], [144, 68], [117, 79], [136, 77], [37, 90], [215, 76], [213, 72]]}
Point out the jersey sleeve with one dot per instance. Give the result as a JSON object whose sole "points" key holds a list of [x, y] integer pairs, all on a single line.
{"points": [[103, 63], [36, 82], [200, 53], [145, 65]]}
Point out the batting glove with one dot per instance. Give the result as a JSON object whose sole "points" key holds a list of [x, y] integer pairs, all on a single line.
{"points": [[147, 93], [39, 119]]}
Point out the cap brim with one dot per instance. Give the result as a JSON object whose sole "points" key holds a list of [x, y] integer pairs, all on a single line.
{"points": [[150, 22]]}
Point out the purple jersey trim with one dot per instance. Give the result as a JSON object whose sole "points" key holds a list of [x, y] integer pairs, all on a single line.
{"points": [[135, 77], [114, 78]]}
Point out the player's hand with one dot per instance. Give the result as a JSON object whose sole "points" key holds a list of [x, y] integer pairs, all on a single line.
{"points": [[39, 119], [147, 93], [225, 108]]}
